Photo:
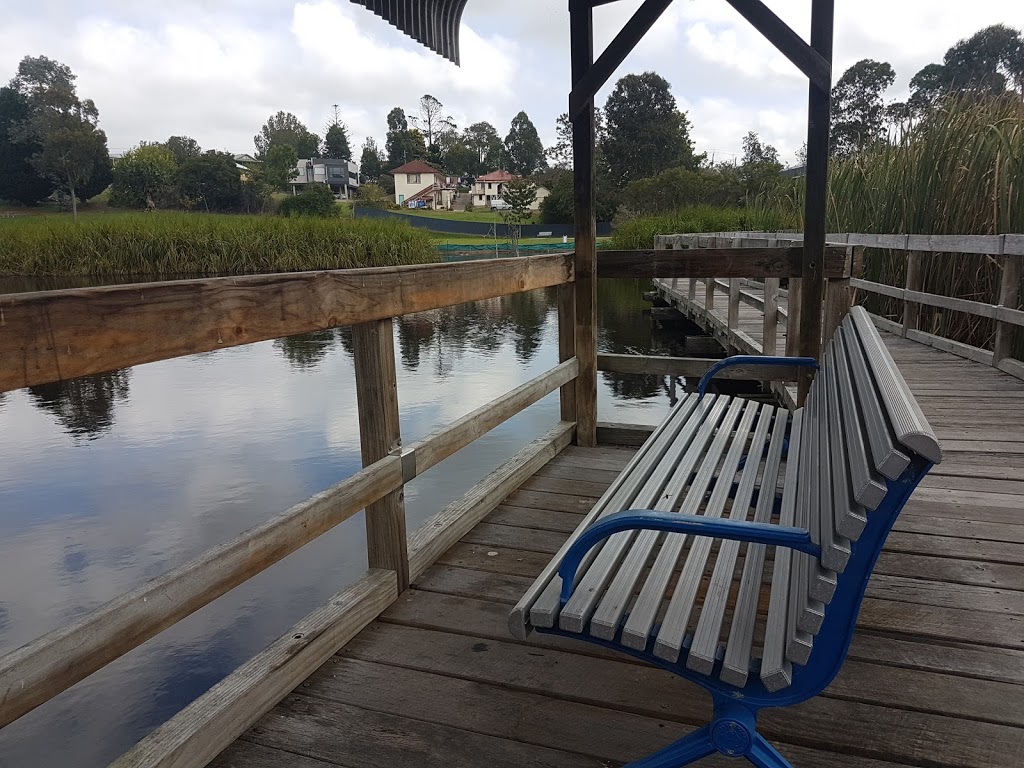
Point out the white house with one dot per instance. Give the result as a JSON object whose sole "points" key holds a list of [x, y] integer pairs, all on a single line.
{"points": [[419, 185], [342, 176], [491, 186]]}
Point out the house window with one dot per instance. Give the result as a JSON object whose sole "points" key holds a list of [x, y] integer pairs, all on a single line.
{"points": [[488, 186], [412, 178]]}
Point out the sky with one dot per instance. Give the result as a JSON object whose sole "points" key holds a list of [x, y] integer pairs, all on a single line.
{"points": [[216, 69]]}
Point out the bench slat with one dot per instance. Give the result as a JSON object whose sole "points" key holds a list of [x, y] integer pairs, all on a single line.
{"points": [[698, 431], [608, 615], [849, 517], [807, 486], [908, 422], [868, 486], [888, 459], [776, 671], [548, 584], [835, 549], [672, 633], [712, 612]]}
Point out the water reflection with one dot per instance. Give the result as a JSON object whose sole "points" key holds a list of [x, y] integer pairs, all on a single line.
{"points": [[109, 480], [84, 406]]}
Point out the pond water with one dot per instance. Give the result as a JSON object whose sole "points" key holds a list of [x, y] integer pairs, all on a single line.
{"points": [[110, 480]]}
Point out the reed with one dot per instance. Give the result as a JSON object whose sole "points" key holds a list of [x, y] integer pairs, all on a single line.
{"points": [[960, 170], [169, 243]]}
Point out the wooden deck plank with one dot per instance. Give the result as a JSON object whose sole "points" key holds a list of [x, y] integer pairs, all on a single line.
{"points": [[935, 674]]}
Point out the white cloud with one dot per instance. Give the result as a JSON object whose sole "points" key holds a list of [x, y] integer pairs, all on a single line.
{"points": [[216, 70]]}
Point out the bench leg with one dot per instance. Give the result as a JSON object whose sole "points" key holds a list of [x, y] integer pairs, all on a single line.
{"points": [[764, 755], [687, 750]]}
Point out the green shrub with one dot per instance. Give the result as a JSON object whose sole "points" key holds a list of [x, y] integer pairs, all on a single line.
{"points": [[638, 232], [315, 200], [373, 196], [160, 244]]}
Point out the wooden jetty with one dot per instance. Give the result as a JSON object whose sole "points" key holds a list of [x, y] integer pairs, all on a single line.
{"points": [[413, 664]]}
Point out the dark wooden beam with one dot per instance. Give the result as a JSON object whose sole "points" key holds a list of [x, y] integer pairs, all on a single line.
{"points": [[584, 88], [581, 30], [819, 104], [717, 262], [806, 57]]}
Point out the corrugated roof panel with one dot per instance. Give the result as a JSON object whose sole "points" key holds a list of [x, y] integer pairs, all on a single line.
{"points": [[432, 23]]}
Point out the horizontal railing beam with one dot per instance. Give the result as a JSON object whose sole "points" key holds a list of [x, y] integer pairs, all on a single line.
{"points": [[975, 308], [55, 335], [715, 262], [693, 367], [438, 446], [35, 673]]}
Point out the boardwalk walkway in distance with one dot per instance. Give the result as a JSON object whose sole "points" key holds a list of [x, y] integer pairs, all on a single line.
{"points": [[935, 676]]}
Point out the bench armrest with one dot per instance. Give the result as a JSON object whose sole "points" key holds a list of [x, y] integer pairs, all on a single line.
{"points": [[796, 362], [673, 522]]}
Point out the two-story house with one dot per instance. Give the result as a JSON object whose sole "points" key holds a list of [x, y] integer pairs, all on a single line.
{"points": [[491, 186], [342, 176], [420, 185]]}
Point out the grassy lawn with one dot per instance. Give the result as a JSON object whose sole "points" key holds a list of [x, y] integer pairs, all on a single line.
{"points": [[485, 216]]}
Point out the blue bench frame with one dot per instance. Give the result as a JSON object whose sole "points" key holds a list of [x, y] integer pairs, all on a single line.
{"points": [[733, 728]]}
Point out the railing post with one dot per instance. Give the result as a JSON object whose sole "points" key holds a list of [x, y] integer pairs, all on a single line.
{"points": [[709, 282], [373, 352], [770, 331], [794, 304], [1009, 296], [581, 33], [914, 282], [567, 346], [837, 306]]}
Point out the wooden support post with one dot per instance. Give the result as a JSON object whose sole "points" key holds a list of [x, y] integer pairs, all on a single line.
{"points": [[818, 114], [373, 353], [793, 308], [581, 32], [567, 346], [733, 318], [1009, 297], [837, 306], [770, 332], [911, 309]]}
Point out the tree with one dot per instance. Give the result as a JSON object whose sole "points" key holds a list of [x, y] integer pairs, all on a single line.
{"points": [[286, 128], [402, 143], [760, 167], [336, 138], [646, 133], [183, 148], [986, 64], [483, 139], [280, 166], [858, 113], [71, 146], [460, 159], [146, 173], [315, 200], [371, 161], [519, 194], [18, 178], [433, 118], [558, 206], [524, 154], [210, 181], [561, 152]]}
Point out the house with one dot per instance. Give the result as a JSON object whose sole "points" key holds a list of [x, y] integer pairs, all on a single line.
{"points": [[420, 185], [492, 186], [342, 176]]}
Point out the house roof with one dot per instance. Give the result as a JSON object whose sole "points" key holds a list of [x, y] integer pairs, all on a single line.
{"points": [[416, 166], [496, 176]]}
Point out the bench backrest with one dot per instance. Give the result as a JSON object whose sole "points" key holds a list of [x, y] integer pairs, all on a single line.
{"points": [[865, 445]]}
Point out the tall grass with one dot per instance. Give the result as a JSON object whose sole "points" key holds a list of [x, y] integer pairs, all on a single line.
{"points": [[959, 171], [163, 244], [638, 232]]}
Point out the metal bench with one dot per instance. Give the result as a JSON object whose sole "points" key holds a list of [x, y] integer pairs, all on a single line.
{"points": [[790, 509]]}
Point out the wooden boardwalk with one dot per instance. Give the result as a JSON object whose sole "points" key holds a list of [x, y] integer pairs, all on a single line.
{"points": [[935, 676]]}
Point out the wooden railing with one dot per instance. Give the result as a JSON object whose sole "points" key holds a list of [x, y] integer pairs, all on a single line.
{"points": [[1007, 251], [55, 335]]}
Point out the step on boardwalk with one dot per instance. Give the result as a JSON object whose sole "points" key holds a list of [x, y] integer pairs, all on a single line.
{"points": [[935, 676]]}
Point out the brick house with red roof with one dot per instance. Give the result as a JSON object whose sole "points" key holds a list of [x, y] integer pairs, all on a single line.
{"points": [[420, 185]]}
